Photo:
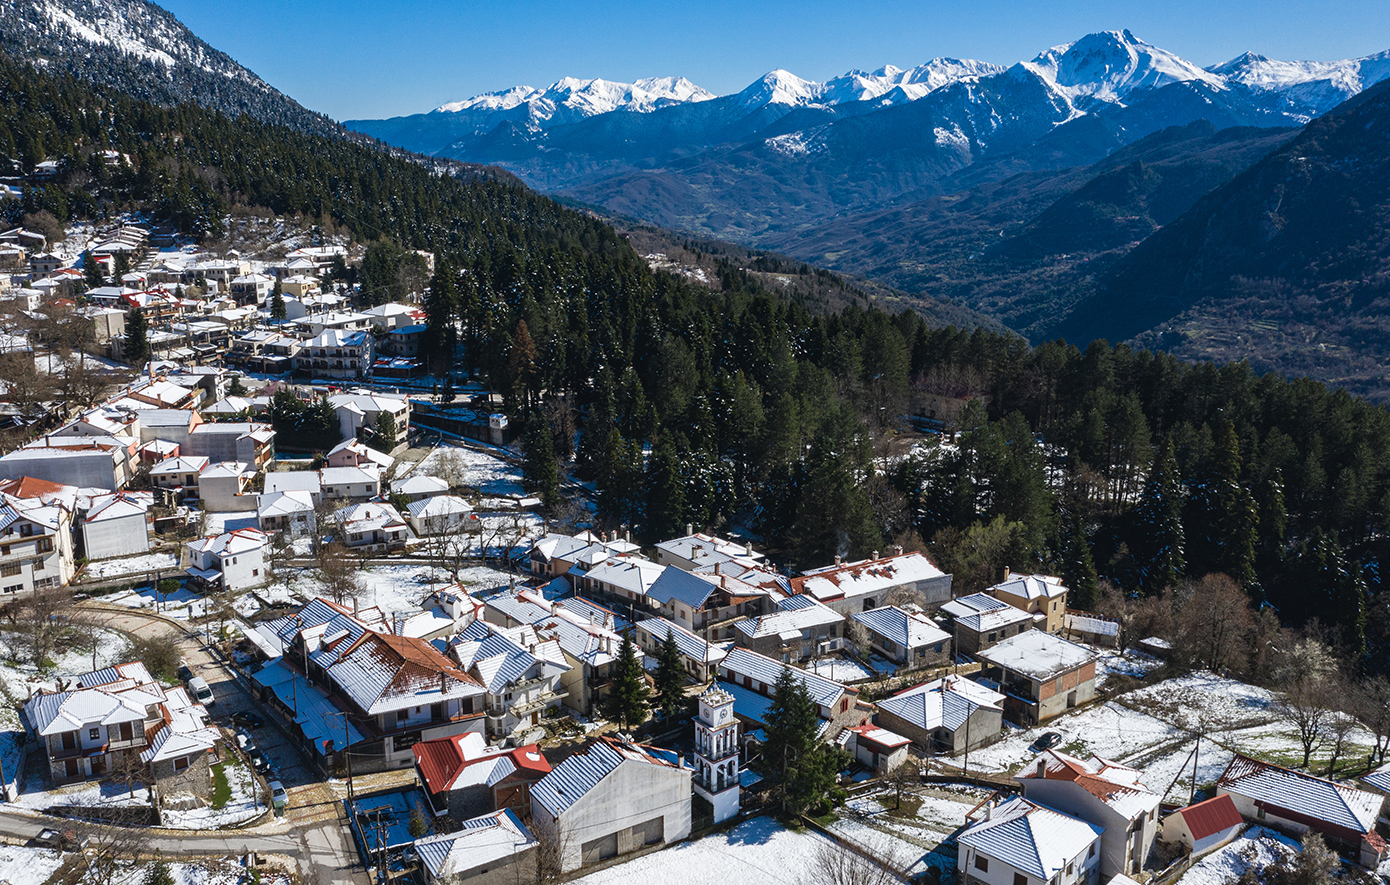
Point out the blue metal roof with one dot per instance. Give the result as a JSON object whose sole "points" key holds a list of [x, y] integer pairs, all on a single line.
{"points": [[742, 662], [681, 586], [691, 646]]}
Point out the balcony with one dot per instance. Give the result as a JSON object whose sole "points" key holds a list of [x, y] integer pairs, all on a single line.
{"points": [[718, 755], [538, 703]]}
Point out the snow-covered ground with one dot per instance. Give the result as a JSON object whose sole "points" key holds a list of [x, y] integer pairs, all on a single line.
{"points": [[181, 604], [28, 866], [842, 670], [759, 850], [1205, 700], [89, 794], [1110, 730], [1255, 849], [133, 565], [239, 808], [213, 871], [489, 475], [1135, 664], [21, 679]]}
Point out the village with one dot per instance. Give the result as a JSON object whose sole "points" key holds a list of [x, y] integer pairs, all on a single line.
{"points": [[215, 626]]}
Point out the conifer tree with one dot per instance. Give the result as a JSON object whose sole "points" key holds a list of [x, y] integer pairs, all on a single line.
{"points": [[538, 465], [278, 311], [1224, 514], [626, 702], [1079, 568], [1160, 538], [136, 345], [665, 504], [803, 769], [670, 676]]}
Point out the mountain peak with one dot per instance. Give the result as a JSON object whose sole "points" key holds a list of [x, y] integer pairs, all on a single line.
{"points": [[1110, 65], [779, 87]]}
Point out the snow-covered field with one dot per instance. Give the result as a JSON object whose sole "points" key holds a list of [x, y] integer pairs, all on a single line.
{"points": [[759, 850], [181, 604], [133, 565], [1255, 849], [1109, 730], [489, 475], [21, 679], [1133, 663], [239, 808], [1205, 700], [28, 866]]}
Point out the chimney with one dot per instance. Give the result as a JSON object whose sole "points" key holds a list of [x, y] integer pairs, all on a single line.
{"points": [[443, 687], [554, 607], [603, 536], [689, 529], [875, 556], [838, 559], [747, 549], [897, 550], [1007, 572], [627, 536], [989, 809]]}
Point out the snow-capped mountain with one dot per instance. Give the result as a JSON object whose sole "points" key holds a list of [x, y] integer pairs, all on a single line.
{"points": [[1111, 66], [585, 98], [1306, 88], [139, 48]]}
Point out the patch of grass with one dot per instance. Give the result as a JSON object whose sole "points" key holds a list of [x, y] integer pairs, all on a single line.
{"points": [[911, 805], [221, 788]]}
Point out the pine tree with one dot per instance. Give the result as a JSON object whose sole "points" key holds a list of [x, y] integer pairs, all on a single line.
{"points": [[665, 505], [803, 770], [91, 273], [1158, 518], [136, 346], [1225, 514], [626, 702], [670, 676], [382, 435], [1079, 568], [538, 464], [278, 311], [522, 363]]}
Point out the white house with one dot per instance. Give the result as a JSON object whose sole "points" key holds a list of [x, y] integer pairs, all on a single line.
{"points": [[231, 562], [179, 473], [493, 849], [418, 486], [860, 586], [116, 525], [1203, 826], [36, 540], [1018, 842], [351, 483], [613, 798], [222, 487], [372, 524], [291, 512], [306, 481], [439, 515]]}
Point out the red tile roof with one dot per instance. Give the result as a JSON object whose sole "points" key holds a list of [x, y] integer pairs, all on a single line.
{"points": [[441, 759], [1210, 817]]}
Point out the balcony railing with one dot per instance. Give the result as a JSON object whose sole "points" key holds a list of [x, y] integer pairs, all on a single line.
{"points": [[540, 702]]}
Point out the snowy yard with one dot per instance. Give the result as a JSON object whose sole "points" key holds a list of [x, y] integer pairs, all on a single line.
{"points": [[133, 565], [759, 850], [1134, 664], [21, 679], [489, 475], [1205, 700], [842, 670], [213, 871], [1255, 849], [1110, 730], [181, 604], [28, 866], [90, 794], [241, 807]]}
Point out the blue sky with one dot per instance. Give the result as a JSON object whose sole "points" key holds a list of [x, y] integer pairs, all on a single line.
{"points": [[353, 59]]}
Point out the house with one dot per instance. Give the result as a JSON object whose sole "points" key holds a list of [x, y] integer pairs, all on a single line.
{"points": [[695, 550], [700, 658], [521, 684], [464, 777], [97, 462], [335, 353], [1103, 793], [350, 483], [364, 409], [165, 394], [878, 749], [271, 353], [36, 547], [492, 849], [1042, 596], [978, 621], [950, 715], [120, 721], [393, 316], [250, 442], [590, 648], [751, 677], [292, 512], [1017, 842], [554, 554], [1091, 628], [180, 473], [307, 481], [1040, 674], [222, 487], [439, 515], [365, 690], [710, 605], [229, 562], [116, 525], [1295, 802], [860, 586], [406, 341], [799, 629], [251, 288], [620, 579], [1204, 826], [417, 486], [610, 799], [372, 525], [908, 639], [351, 453]]}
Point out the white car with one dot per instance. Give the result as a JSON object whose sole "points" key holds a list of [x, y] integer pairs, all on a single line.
{"points": [[278, 797]]}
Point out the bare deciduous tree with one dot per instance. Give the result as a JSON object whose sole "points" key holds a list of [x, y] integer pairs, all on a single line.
{"points": [[1371, 705], [1306, 673], [838, 864], [1213, 619], [905, 777], [338, 569]]}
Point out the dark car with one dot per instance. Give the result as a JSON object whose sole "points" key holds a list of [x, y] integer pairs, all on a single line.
{"points": [[1048, 741], [259, 761], [185, 674], [248, 719]]}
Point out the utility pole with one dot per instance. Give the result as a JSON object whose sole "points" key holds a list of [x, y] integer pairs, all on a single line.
{"points": [[347, 751]]}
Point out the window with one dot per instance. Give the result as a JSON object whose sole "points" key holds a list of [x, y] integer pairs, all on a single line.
{"points": [[981, 864], [844, 705], [93, 733], [181, 763], [1092, 852], [991, 637], [9, 569], [402, 715], [45, 545], [1020, 879]]}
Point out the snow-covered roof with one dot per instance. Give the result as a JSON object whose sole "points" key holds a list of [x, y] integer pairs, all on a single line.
{"points": [[479, 842], [419, 484], [1094, 625], [759, 668], [1310, 796], [791, 621], [230, 543], [275, 504], [1028, 837], [292, 481], [907, 629], [1038, 655], [336, 476], [1031, 587], [702, 550], [438, 507], [1378, 779], [226, 469], [630, 573], [338, 338], [117, 506], [682, 586], [381, 672], [1118, 786], [942, 703], [491, 656], [881, 736], [866, 576], [981, 612], [580, 773], [691, 646], [369, 517], [180, 465]]}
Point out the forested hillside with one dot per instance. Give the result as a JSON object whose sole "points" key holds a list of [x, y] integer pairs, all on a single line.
{"points": [[737, 406]]}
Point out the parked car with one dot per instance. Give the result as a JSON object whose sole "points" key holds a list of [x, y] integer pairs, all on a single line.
{"points": [[202, 693], [185, 673], [60, 840], [248, 719], [259, 761], [246, 743], [1048, 741], [278, 797]]}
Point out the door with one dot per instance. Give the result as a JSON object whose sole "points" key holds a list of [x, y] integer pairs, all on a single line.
{"points": [[600, 849], [70, 768], [1071, 699]]}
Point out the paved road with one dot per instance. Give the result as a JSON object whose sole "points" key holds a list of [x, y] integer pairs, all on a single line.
{"points": [[319, 839]]}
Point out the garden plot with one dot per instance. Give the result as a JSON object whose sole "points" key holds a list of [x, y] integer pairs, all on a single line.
{"points": [[759, 850], [132, 565], [1110, 730], [938, 812], [466, 468], [28, 866], [1255, 849], [231, 805]]}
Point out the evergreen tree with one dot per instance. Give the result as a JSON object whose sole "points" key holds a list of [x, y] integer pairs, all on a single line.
{"points": [[538, 464], [522, 363], [278, 311], [91, 273], [441, 312], [1224, 515], [665, 504], [1159, 537], [382, 434], [159, 874], [136, 345], [803, 770], [1079, 568], [626, 702], [235, 387], [670, 676]]}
